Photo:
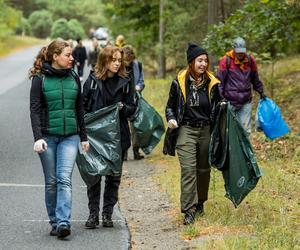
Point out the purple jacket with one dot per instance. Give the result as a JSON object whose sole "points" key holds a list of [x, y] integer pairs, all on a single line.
{"points": [[236, 86]]}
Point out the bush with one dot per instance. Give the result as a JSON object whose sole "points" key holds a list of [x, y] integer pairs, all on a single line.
{"points": [[41, 23], [76, 29], [60, 29], [67, 30], [24, 28]]}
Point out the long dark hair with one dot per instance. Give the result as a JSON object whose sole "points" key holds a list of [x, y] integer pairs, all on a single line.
{"points": [[46, 55], [105, 57]]}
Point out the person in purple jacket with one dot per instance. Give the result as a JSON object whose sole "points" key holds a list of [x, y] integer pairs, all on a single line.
{"points": [[238, 73]]}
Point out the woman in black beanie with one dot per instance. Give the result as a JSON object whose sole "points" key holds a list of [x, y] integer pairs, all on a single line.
{"points": [[190, 113]]}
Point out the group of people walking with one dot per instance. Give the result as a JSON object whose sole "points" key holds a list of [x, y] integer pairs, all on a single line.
{"points": [[57, 108]]}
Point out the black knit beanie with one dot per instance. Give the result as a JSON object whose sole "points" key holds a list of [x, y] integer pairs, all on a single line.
{"points": [[193, 51]]}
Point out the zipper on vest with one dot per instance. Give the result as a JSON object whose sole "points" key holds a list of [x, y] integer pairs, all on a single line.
{"points": [[63, 105]]}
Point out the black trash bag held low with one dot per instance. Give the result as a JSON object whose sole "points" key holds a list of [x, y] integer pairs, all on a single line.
{"points": [[104, 155], [148, 125], [239, 166]]}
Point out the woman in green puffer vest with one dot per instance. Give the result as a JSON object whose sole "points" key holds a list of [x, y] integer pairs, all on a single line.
{"points": [[57, 119]]}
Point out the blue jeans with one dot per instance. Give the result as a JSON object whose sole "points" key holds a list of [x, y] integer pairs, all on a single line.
{"points": [[58, 163], [243, 115]]}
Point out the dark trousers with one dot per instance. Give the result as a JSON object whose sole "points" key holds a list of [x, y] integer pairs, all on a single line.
{"points": [[80, 69], [192, 149], [110, 197]]}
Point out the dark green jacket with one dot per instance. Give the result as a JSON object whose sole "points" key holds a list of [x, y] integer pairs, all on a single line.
{"points": [[56, 104]]}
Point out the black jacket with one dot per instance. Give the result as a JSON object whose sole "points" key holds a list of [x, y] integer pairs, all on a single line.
{"points": [[95, 99], [79, 54], [38, 104], [176, 106]]}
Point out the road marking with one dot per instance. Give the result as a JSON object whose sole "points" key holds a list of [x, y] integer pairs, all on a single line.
{"points": [[70, 220], [20, 185], [26, 185]]}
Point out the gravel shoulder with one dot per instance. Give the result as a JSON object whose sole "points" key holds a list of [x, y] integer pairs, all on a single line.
{"points": [[147, 210]]}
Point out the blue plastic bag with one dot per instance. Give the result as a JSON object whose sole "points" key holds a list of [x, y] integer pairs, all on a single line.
{"points": [[270, 119]]}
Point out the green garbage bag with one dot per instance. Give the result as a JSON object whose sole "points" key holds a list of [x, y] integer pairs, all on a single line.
{"points": [[148, 125], [239, 166], [104, 155]]}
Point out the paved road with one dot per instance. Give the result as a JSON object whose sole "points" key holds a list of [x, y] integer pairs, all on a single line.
{"points": [[23, 218]]}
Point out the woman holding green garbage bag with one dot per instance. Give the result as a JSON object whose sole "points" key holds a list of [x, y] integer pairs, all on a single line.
{"points": [[109, 85], [190, 114]]}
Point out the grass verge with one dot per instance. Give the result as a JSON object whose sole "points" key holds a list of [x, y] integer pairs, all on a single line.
{"points": [[15, 43]]}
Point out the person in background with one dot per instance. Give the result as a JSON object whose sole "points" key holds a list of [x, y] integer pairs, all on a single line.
{"points": [[113, 87], [93, 53], [237, 72], [57, 122], [190, 110], [135, 69], [120, 41], [79, 54]]}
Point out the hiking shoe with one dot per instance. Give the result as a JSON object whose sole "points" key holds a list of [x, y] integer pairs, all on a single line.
{"points": [[107, 221], [136, 154], [92, 222], [199, 209], [63, 231], [189, 217], [53, 232]]}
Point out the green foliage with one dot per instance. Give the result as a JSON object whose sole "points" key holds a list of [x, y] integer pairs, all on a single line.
{"points": [[268, 26], [41, 22], [67, 30], [24, 27], [9, 19], [88, 12], [60, 29], [28, 6], [76, 29]]}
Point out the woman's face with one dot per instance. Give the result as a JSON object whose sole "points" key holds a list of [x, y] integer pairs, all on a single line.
{"points": [[200, 65], [115, 63], [64, 60]]}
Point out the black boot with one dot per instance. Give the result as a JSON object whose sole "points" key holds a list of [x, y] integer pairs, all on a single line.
{"points": [[92, 222], [125, 155], [136, 154], [107, 221]]}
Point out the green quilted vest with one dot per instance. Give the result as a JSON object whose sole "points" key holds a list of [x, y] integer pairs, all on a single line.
{"points": [[61, 95]]}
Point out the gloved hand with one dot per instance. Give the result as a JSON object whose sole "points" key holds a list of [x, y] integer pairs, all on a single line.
{"points": [[138, 88], [40, 146], [85, 146], [263, 96], [172, 123]]}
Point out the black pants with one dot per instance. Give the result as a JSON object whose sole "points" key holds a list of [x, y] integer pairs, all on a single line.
{"points": [[80, 69], [110, 197]]}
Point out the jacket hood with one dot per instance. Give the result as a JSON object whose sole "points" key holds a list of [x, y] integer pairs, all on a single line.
{"points": [[48, 70], [182, 79]]}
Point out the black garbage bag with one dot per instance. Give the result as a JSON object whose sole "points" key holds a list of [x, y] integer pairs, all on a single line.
{"points": [[104, 155], [148, 125], [239, 166]]}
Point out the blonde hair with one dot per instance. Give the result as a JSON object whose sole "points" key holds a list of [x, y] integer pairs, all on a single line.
{"points": [[46, 55], [104, 59]]}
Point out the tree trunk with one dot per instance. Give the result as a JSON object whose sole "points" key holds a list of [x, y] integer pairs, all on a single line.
{"points": [[161, 53], [212, 19]]}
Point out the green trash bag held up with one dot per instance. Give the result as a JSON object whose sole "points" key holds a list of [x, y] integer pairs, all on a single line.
{"points": [[148, 125], [239, 166], [104, 155]]}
